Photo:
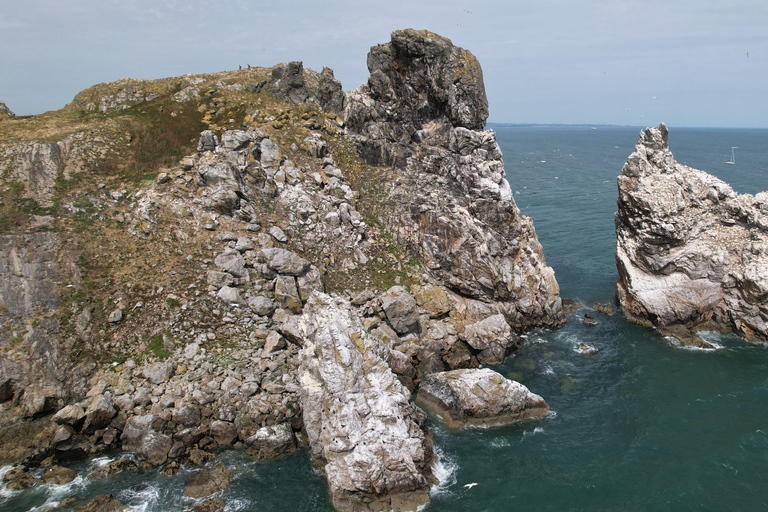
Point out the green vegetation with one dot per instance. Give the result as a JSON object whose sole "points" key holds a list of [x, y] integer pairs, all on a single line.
{"points": [[156, 348]]}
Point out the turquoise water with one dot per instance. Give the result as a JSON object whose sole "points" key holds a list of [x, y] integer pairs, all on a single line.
{"points": [[639, 426]]}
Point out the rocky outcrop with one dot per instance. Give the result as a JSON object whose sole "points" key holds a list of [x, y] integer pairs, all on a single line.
{"points": [[362, 428], [692, 254], [422, 112], [473, 397], [5, 112], [207, 481]]}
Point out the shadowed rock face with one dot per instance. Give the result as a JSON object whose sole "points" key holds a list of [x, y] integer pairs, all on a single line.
{"points": [[692, 254], [422, 112]]}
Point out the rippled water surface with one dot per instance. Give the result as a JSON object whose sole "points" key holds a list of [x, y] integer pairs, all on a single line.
{"points": [[640, 425]]}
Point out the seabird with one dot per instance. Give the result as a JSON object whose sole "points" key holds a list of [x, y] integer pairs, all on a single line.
{"points": [[469, 486]]}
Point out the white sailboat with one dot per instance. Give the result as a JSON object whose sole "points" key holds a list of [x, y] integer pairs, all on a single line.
{"points": [[732, 161]]}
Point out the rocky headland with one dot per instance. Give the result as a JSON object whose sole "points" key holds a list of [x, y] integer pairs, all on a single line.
{"points": [[692, 254], [256, 260]]}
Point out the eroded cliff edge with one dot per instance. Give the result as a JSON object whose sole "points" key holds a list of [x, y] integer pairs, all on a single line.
{"points": [[692, 254], [170, 244]]}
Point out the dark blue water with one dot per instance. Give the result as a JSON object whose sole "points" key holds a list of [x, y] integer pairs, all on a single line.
{"points": [[639, 426]]}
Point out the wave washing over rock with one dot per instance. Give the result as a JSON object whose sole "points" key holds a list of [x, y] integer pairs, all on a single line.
{"points": [[287, 280], [692, 254]]}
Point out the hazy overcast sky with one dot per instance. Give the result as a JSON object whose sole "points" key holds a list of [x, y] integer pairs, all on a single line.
{"points": [[684, 62]]}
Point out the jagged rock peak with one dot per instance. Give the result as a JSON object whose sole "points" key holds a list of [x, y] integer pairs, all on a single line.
{"points": [[692, 254], [5, 111]]}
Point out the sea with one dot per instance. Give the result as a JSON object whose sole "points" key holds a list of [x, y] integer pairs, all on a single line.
{"points": [[640, 425]]}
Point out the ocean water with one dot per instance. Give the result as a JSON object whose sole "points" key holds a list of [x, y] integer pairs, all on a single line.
{"points": [[641, 425]]}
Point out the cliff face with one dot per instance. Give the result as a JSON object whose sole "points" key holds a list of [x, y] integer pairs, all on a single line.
{"points": [[167, 247], [422, 113], [691, 253]]}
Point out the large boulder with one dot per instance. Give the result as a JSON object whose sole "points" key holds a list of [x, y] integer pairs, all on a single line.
{"points": [[472, 397], [692, 254], [492, 337], [363, 430], [270, 442]]}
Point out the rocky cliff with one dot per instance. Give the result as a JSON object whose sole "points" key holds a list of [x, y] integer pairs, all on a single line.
{"points": [[254, 259], [422, 113], [691, 252]]}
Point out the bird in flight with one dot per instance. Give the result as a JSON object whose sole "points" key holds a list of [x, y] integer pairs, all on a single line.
{"points": [[469, 486]]}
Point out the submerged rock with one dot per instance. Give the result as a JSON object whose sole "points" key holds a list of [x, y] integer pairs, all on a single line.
{"points": [[207, 481], [691, 252], [479, 397], [362, 428]]}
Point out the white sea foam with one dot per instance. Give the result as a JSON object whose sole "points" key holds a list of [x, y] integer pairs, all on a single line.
{"points": [[444, 468], [500, 442], [4, 491], [237, 505], [100, 462], [143, 498]]}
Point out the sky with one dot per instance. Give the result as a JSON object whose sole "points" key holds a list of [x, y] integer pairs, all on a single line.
{"points": [[697, 63]]}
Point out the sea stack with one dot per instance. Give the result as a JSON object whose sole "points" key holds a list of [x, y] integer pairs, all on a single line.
{"points": [[692, 254]]}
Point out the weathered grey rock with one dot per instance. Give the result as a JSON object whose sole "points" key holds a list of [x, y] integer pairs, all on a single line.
{"points": [[284, 261], [422, 112], [401, 309], [230, 295], [286, 293], [234, 140], [232, 262], [208, 142], [330, 94], [244, 244], [72, 415], [263, 306], [310, 281], [188, 416], [37, 400], [157, 373], [115, 316], [274, 342], [207, 481], [288, 82], [493, 337], [99, 413], [219, 279], [278, 234], [140, 435], [361, 426], [690, 252], [271, 442], [479, 397]]}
